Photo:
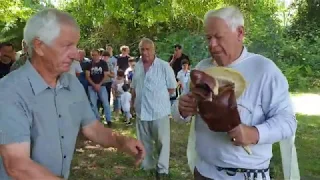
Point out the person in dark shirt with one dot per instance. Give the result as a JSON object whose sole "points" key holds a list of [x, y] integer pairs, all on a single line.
{"points": [[97, 74], [175, 62], [7, 58], [176, 58], [123, 58]]}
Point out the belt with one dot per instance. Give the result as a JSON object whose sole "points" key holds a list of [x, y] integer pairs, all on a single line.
{"points": [[247, 172]]}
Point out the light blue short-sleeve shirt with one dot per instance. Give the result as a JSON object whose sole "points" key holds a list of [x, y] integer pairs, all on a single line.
{"points": [[48, 118]]}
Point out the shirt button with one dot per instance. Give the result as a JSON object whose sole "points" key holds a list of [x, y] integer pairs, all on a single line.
{"points": [[64, 156], [59, 115], [62, 137]]}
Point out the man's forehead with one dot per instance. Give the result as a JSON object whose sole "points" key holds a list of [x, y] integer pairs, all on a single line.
{"points": [[7, 48], [215, 24]]}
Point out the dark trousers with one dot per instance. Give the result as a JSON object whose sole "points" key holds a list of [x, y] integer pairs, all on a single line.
{"points": [[198, 176]]}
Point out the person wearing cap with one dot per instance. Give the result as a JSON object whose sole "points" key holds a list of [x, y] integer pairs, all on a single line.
{"points": [[265, 108]]}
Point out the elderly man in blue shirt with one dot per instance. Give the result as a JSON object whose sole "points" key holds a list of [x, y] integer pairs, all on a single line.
{"points": [[265, 107], [42, 107]]}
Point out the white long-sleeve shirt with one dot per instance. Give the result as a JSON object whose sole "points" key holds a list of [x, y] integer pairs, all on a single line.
{"points": [[265, 104]]}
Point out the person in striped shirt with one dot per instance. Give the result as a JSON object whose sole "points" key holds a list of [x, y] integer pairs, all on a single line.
{"points": [[152, 84]]}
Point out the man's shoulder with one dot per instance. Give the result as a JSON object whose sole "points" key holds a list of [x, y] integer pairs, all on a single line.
{"points": [[263, 63], [204, 63], [184, 56], [162, 62], [15, 84]]}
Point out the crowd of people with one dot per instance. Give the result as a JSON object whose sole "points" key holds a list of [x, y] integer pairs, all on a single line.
{"points": [[103, 76], [51, 90]]}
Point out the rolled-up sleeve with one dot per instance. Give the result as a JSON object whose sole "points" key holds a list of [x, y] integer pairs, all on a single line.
{"points": [[14, 122], [280, 121]]}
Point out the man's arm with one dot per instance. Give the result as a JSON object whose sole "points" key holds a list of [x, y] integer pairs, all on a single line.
{"points": [[105, 77], [277, 106], [78, 69], [89, 78], [170, 80], [133, 97], [19, 166], [105, 72], [104, 136], [171, 60]]}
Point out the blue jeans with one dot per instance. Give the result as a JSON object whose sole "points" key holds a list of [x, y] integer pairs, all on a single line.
{"points": [[103, 96], [116, 104]]}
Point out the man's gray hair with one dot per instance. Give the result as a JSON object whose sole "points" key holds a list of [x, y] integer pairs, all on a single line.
{"points": [[45, 25], [231, 15], [146, 41]]}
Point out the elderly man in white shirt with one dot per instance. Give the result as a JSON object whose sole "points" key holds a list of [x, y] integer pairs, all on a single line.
{"points": [[75, 68], [152, 84], [265, 107]]}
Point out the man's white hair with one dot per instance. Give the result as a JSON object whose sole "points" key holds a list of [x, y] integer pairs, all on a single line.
{"points": [[45, 25], [146, 41], [231, 15]]}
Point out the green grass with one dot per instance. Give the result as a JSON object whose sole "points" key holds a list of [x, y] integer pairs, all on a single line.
{"points": [[95, 163]]}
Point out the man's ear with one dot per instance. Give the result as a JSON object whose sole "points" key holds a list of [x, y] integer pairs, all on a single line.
{"points": [[38, 46], [240, 33]]}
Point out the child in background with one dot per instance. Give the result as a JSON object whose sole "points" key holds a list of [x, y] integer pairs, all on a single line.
{"points": [[130, 70], [117, 91], [125, 103], [183, 76]]}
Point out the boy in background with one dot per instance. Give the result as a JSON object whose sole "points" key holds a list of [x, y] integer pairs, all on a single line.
{"points": [[125, 103], [130, 70], [183, 76], [117, 91]]}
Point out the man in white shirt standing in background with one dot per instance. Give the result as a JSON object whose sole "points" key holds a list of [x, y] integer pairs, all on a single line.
{"points": [[152, 84], [75, 68]]}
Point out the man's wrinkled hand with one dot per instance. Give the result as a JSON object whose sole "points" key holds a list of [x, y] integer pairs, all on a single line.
{"points": [[244, 135], [97, 87], [187, 105], [134, 148]]}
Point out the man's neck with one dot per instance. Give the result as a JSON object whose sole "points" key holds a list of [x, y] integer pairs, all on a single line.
{"points": [[49, 77], [232, 59], [147, 64], [179, 55]]}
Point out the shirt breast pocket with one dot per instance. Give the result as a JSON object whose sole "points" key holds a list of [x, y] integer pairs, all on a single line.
{"points": [[75, 110], [246, 113]]}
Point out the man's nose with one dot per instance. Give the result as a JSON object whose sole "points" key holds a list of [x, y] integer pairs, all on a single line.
{"points": [[213, 42]]}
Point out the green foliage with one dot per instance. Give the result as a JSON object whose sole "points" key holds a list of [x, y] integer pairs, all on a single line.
{"points": [[194, 45], [293, 47]]}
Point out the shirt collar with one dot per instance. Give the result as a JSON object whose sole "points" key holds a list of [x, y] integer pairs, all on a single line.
{"points": [[37, 82], [243, 55]]}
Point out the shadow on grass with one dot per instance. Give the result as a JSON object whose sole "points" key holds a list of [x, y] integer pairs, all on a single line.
{"points": [[96, 163]]}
